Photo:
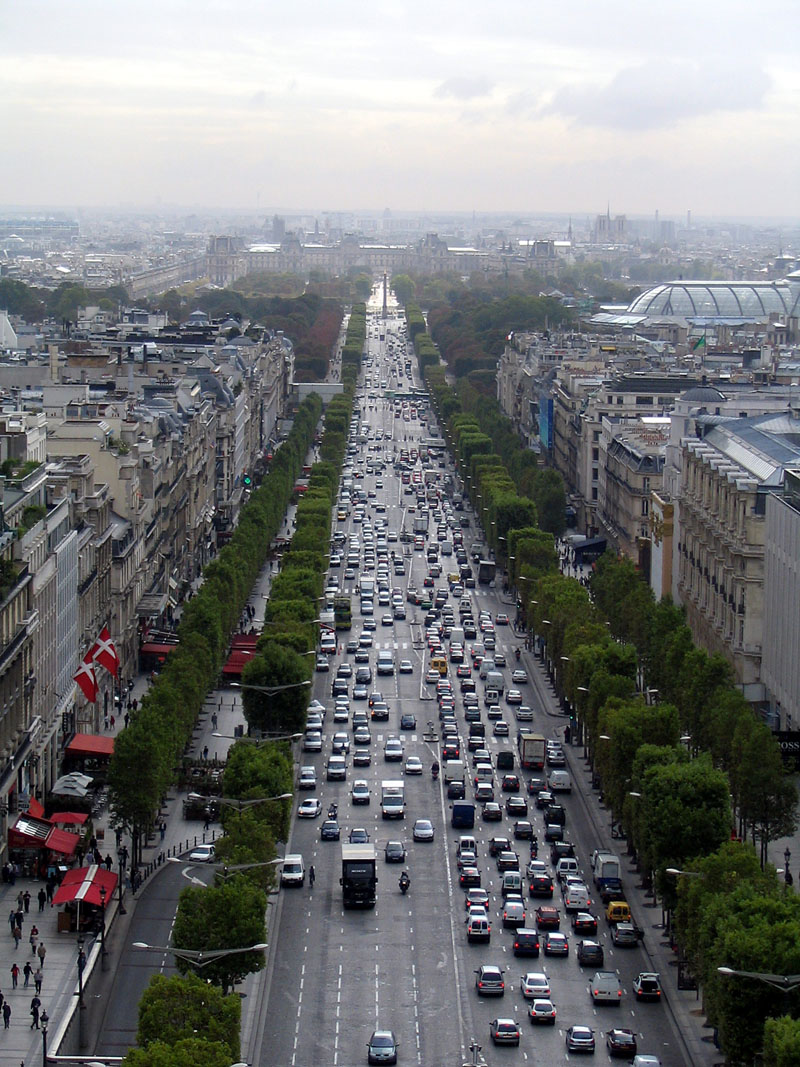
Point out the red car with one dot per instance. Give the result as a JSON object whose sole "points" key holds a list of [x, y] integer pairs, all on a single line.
{"points": [[548, 917]]}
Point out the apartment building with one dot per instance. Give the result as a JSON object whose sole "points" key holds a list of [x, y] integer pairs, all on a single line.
{"points": [[780, 660]]}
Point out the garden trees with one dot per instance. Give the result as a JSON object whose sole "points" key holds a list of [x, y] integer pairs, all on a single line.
{"points": [[176, 1009]]}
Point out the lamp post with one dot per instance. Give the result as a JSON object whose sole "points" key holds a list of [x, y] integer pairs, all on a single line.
{"points": [[122, 857], [786, 983], [103, 962], [582, 731], [44, 1020], [787, 856], [199, 957], [81, 1005]]}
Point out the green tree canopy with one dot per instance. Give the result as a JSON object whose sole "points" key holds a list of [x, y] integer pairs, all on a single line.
{"points": [[175, 1009]]}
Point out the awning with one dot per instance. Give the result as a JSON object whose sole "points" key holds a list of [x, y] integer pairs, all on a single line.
{"points": [[85, 884], [68, 818], [150, 648], [237, 660], [151, 605], [90, 745], [74, 784], [28, 832]]}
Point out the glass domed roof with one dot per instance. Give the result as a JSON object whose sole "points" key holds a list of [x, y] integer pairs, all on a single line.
{"points": [[718, 300]]}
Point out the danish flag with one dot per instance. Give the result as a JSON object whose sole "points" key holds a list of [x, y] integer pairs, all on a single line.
{"points": [[104, 652], [86, 678]]}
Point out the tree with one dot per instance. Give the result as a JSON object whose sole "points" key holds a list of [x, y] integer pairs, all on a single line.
{"points": [[767, 798], [192, 1052], [174, 1009], [221, 917], [781, 1042], [281, 712], [404, 288]]}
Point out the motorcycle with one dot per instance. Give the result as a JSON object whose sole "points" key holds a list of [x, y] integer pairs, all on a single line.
{"points": [[516, 654], [333, 811], [404, 883], [434, 771]]}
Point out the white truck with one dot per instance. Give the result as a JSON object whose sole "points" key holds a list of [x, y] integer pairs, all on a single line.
{"points": [[453, 771], [607, 874], [393, 802]]}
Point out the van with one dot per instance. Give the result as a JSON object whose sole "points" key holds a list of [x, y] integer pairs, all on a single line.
{"points": [[478, 926], [439, 663], [490, 698], [337, 768], [495, 680], [477, 729], [294, 871], [505, 760], [385, 661], [566, 865], [466, 843], [560, 782], [483, 773], [618, 911], [512, 883], [577, 898]]}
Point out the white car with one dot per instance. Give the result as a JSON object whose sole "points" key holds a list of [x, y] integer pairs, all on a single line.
{"points": [[309, 808], [413, 765], [406, 666], [423, 830], [534, 985], [202, 854], [519, 677], [360, 791]]}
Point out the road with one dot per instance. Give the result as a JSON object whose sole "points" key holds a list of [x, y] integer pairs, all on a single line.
{"points": [[406, 964]]}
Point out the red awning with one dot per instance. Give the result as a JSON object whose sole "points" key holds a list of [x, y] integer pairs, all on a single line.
{"points": [[90, 745], [35, 808], [150, 648], [236, 661], [85, 884], [239, 641], [62, 841], [28, 832], [68, 818]]}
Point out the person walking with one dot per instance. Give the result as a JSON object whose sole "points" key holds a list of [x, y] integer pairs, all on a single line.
{"points": [[14, 975], [6, 1015], [17, 936], [20, 917], [27, 971], [20, 901], [35, 1005], [50, 889], [42, 898], [34, 939], [37, 980], [12, 920], [26, 900], [41, 952], [312, 876]]}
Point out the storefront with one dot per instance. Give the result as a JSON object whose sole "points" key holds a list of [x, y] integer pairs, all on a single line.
{"points": [[84, 892]]}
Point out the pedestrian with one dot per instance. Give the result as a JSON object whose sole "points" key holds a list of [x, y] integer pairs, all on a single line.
{"points": [[12, 919], [162, 830], [214, 719], [34, 939], [42, 897], [14, 975], [6, 1013], [27, 901], [50, 889], [20, 917], [205, 752], [312, 874], [127, 719], [135, 704], [113, 722], [27, 971], [41, 952], [35, 1005], [20, 900], [109, 862], [37, 980], [105, 721], [17, 936]]}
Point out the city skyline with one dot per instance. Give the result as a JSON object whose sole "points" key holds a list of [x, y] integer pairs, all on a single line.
{"points": [[418, 108]]}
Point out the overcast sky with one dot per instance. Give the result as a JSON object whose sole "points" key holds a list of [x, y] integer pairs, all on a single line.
{"points": [[511, 105]]}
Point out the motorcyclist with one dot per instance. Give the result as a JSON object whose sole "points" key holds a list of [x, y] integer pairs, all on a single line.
{"points": [[516, 654], [312, 874], [405, 881], [435, 769], [332, 811]]}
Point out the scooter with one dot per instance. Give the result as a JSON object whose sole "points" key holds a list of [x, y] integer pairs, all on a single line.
{"points": [[434, 771], [516, 654], [333, 811], [404, 883]]}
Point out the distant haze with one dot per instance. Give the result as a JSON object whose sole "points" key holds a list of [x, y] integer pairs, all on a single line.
{"points": [[516, 105]]}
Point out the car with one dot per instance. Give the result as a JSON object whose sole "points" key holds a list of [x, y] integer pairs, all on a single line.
{"points": [[500, 728], [543, 1012], [590, 954], [501, 619], [382, 1047], [432, 676], [540, 885], [492, 812], [513, 914], [519, 676], [358, 836], [312, 742], [516, 807], [362, 757], [523, 830], [547, 917], [340, 742], [583, 922], [606, 988], [360, 791], [625, 935], [553, 831], [477, 898], [469, 877], [308, 778], [513, 696], [507, 860], [580, 1039], [393, 750], [309, 808], [647, 986], [534, 984], [643, 1060], [497, 845], [202, 854], [408, 721], [484, 792], [555, 944], [504, 1032], [394, 852], [387, 619], [524, 713], [406, 666], [621, 1042], [423, 830], [510, 783], [322, 664], [359, 691], [489, 981], [413, 765], [329, 831]]}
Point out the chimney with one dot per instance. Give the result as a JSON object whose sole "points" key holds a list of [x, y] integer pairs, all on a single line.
{"points": [[53, 350]]}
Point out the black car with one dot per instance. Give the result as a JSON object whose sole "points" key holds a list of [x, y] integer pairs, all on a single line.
{"points": [[329, 831], [516, 807], [560, 849], [492, 812], [455, 791], [408, 722], [541, 885], [621, 1042], [394, 852], [590, 954], [526, 941]]}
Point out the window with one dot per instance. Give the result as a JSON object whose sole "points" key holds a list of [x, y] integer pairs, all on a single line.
{"points": [[645, 506], [646, 485], [594, 492], [595, 455]]}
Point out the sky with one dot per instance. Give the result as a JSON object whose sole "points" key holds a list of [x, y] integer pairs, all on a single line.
{"points": [[516, 105]]}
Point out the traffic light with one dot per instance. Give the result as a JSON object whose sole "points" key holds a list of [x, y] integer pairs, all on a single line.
{"points": [[247, 481]]}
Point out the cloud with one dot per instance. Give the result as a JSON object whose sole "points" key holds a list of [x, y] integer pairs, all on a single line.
{"points": [[661, 94], [258, 100], [463, 88]]}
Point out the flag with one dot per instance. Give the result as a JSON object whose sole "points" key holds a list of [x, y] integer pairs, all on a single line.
{"points": [[86, 678], [104, 652], [699, 343]]}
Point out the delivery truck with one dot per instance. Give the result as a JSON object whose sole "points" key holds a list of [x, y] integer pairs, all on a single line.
{"points": [[531, 750], [359, 876], [393, 803]]}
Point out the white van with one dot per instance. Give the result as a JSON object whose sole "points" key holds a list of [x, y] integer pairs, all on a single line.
{"points": [[512, 883], [466, 843], [294, 871], [560, 782], [566, 865], [576, 898]]}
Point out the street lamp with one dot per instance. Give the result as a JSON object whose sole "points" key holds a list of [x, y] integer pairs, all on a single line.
{"points": [[676, 872], [81, 1005], [44, 1020], [270, 690], [122, 856], [786, 983], [199, 957], [103, 963], [240, 805], [227, 870]]}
